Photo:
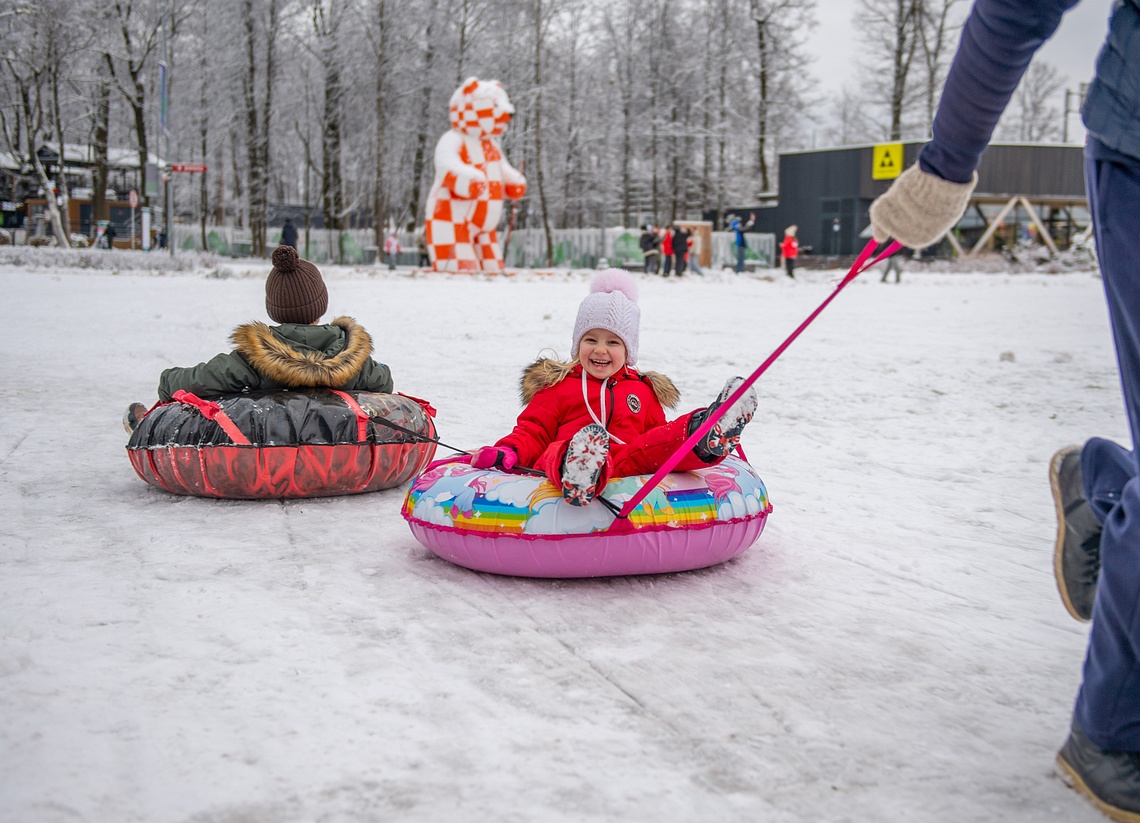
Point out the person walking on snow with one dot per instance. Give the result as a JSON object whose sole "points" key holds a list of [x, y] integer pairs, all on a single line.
{"points": [[299, 353], [391, 249], [1096, 487], [790, 250], [289, 233], [596, 417], [681, 238], [666, 250], [650, 249], [737, 227]]}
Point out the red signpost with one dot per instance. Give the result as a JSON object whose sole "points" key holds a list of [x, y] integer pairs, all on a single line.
{"points": [[189, 168]]}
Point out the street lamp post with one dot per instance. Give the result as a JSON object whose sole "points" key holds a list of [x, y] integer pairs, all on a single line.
{"points": [[1071, 97]]}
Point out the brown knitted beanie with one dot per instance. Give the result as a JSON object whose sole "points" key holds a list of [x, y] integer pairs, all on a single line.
{"points": [[294, 291]]}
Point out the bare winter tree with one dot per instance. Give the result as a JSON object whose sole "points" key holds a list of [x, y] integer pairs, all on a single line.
{"points": [[938, 25], [778, 57], [101, 132], [257, 82], [892, 31], [379, 36], [138, 27], [623, 25], [542, 13], [34, 46], [424, 115], [326, 18], [1031, 118]]}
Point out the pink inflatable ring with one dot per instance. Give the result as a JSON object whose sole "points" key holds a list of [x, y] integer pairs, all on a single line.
{"points": [[516, 524]]}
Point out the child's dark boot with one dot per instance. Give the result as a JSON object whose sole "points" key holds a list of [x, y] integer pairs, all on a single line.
{"points": [[724, 436], [134, 413], [582, 465]]}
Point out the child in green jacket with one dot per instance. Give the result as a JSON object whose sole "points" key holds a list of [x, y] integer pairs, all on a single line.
{"points": [[298, 353]]}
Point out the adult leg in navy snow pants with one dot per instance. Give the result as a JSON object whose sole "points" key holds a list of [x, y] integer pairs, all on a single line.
{"points": [[1108, 704]]}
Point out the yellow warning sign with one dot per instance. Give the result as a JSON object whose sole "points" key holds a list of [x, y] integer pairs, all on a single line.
{"points": [[886, 161]]}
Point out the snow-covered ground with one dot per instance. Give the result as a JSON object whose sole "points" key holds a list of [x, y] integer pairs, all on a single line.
{"points": [[891, 649]]}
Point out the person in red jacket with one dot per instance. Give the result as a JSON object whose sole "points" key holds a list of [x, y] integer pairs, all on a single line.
{"points": [[597, 417], [790, 250], [667, 250]]}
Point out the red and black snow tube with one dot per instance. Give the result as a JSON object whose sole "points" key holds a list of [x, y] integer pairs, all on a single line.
{"points": [[286, 444]]}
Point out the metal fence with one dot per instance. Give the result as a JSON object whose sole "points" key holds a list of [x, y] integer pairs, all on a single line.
{"points": [[584, 248], [571, 248]]}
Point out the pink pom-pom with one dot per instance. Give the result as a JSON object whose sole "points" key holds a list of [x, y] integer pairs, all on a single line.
{"points": [[612, 280]]}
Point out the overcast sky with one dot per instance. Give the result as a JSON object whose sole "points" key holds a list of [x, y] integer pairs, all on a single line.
{"points": [[1072, 51]]}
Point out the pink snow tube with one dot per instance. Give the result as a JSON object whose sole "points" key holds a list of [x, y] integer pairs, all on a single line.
{"points": [[491, 521]]}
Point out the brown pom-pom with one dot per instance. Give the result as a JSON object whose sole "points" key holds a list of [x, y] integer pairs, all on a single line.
{"points": [[285, 258]]}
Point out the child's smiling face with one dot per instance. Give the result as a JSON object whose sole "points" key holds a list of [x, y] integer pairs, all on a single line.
{"points": [[601, 353]]}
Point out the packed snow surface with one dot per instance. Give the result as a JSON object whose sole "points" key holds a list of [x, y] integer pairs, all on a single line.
{"points": [[891, 649]]}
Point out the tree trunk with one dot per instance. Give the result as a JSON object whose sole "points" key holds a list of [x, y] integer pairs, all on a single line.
{"points": [[763, 68], [571, 185], [263, 154], [332, 184], [257, 121], [538, 43], [378, 198], [99, 209], [419, 158], [203, 138]]}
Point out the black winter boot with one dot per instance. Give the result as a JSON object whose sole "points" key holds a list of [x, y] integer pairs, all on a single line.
{"points": [[1111, 780], [131, 417], [1076, 557]]}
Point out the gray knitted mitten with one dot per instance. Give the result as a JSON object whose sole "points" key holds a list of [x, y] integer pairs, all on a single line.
{"points": [[919, 208]]}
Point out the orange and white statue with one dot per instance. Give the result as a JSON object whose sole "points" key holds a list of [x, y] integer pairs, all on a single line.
{"points": [[472, 177]]}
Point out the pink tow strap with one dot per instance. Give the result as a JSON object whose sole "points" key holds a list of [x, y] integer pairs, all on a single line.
{"points": [[861, 264]]}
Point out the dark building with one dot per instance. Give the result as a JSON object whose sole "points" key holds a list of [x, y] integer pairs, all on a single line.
{"points": [[828, 193]]}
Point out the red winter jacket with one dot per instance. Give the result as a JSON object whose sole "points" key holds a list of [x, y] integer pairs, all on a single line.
{"points": [[790, 247], [667, 244], [555, 411]]}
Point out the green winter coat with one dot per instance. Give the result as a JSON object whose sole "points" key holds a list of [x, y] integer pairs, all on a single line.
{"points": [[289, 356]]}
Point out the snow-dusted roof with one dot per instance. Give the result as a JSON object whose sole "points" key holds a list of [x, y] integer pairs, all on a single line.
{"points": [[84, 153]]}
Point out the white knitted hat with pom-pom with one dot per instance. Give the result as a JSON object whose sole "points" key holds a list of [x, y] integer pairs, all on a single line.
{"points": [[611, 305]]}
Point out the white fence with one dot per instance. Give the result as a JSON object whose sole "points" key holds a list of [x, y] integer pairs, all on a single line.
{"points": [[572, 248]]}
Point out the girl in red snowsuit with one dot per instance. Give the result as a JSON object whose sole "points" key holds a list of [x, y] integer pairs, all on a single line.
{"points": [[597, 417]]}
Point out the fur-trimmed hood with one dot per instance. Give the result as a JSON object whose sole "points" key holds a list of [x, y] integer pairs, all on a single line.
{"points": [[305, 356], [545, 372]]}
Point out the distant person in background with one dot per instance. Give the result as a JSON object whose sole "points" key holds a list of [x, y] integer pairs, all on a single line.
{"points": [[298, 353], [391, 249], [695, 253], [650, 249], [289, 234], [667, 250], [894, 264], [1096, 486], [738, 227], [790, 250], [421, 247], [681, 237], [109, 236]]}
